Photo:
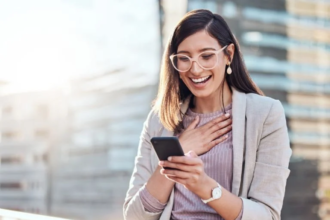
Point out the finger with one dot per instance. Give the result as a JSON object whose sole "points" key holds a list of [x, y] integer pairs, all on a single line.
{"points": [[191, 154], [170, 178], [162, 172], [217, 120], [216, 124], [219, 133], [176, 173], [215, 142], [194, 123], [185, 160], [220, 125], [179, 166]]}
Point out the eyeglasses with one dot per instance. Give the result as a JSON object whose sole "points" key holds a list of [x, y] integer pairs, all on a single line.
{"points": [[206, 60]]}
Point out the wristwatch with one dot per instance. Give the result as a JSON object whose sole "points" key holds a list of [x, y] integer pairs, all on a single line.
{"points": [[216, 194]]}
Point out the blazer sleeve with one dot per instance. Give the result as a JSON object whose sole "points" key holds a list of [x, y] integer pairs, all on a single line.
{"points": [[266, 194], [133, 208]]}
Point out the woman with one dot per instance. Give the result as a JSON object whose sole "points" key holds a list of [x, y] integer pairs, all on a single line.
{"points": [[235, 139]]}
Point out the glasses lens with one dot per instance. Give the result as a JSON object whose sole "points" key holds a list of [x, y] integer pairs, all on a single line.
{"points": [[207, 60], [181, 62]]}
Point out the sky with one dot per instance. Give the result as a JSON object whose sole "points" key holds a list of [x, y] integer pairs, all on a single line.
{"points": [[45, 43]]}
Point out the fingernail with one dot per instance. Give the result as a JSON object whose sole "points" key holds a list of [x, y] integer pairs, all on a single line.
{"points": [[169, 158], [161, 163], [227, 115], [226, 136]]}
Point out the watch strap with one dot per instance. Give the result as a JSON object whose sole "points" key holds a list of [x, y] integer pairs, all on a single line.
{"points": [[211, 199]]}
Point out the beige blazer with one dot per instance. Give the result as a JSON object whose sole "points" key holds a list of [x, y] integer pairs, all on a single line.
{"points": [[261, 154]]}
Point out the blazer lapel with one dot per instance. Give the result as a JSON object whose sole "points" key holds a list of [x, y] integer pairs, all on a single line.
{"points": [[238, 130]]}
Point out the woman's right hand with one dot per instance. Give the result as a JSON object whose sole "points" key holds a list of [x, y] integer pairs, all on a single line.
{"points": [[205, 137]]}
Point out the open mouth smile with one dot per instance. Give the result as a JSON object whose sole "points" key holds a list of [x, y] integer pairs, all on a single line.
{"points": [[200, 80]]}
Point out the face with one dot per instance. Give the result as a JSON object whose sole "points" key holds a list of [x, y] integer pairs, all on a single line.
{"points": [[203, 83]]}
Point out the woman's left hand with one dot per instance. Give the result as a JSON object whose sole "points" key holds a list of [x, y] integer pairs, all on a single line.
{"points": [[190, 171]]}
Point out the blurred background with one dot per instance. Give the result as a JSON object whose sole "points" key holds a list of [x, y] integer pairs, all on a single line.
{"points": [[77, 78]]}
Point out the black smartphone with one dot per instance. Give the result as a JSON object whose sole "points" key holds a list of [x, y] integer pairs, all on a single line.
{"points": [[166, 147]]}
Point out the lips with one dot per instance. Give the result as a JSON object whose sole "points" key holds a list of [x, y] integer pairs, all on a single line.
{"points": [[200, 80]]}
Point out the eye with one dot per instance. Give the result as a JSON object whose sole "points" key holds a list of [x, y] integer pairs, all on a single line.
{"points": [[207, 56], [183, 59]]}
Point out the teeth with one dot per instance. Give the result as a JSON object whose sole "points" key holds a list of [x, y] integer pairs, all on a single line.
{"points": [[200, 79]]}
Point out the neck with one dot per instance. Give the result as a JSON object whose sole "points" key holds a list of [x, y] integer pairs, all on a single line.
{"points": [[213, 102]]}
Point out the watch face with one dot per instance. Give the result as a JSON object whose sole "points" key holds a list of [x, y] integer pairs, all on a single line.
{"points": [[216, 193]]}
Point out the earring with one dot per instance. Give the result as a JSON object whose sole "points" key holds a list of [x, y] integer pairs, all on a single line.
{"points": [[229, 71]]}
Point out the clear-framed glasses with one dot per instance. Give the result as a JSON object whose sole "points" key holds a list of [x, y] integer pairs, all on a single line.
{"points": [[206, 60]]}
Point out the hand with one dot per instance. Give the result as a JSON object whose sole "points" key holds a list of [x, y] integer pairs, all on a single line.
{"points": [[190, 171], [192, 176], [202, 139]]}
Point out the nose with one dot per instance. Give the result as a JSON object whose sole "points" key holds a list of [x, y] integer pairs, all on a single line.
{"points": [[195, 68]]}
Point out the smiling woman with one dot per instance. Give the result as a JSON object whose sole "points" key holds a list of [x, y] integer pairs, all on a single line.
{"points": [[235, 139]]}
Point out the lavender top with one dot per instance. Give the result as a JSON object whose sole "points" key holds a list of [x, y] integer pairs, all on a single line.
{"points": [[218, 164]]}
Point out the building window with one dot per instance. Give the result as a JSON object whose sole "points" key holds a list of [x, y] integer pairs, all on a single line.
{"points": [[206, 4], [42, 111], [11, 160], [7, 112], [9, 135], [12, 186], [34, 185], [42, 134], [229, 9]]}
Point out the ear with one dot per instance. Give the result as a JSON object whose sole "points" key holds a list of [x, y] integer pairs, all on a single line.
{"points": [[231, 50]]}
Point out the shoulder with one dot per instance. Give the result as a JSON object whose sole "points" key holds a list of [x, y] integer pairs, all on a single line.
{"points": [[152, 123], [263, 105], [267, 112]]}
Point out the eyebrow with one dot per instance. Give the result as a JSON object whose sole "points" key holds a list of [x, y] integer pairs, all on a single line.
{"points": [[201, 50]]}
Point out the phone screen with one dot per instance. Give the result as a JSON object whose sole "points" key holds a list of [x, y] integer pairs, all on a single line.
{"points": [[166, 147]]}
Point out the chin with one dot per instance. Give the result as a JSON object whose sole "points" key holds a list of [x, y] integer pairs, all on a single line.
{"points": [[201, 94]]}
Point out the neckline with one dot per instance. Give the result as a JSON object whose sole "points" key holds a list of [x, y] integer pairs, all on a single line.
{"points": [[192, 113]]}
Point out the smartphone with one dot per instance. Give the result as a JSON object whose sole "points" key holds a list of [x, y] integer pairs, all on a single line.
{"points": [[166, 147]]}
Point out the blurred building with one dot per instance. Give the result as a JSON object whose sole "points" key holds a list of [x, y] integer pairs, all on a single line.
{"points": [[96, 162], [286, 46], [30, 124], [172, 12], [15, 215], [107, 110]]}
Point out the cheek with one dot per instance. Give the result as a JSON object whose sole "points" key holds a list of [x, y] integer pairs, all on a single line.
{"points": [[222, 65], [182, 75], [219, 72], [184, 79], [222, 68]]}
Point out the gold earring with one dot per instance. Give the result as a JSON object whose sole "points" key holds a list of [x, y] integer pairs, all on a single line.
{"points": [[229, 71]]}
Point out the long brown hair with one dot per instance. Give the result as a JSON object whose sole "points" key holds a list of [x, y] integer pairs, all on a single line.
{"points": [[172, 91]]}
